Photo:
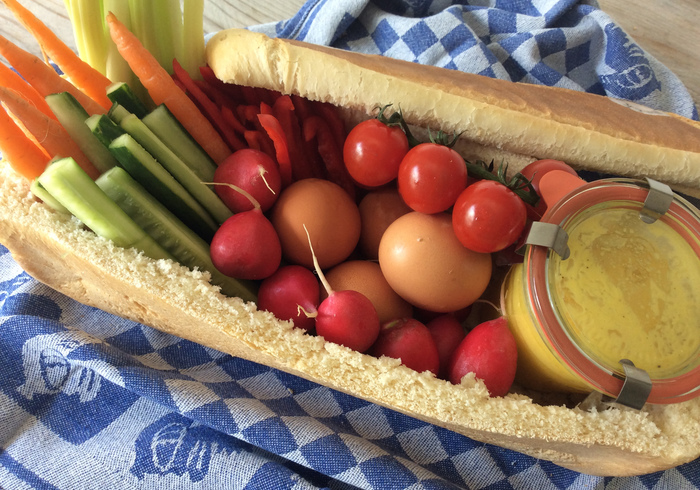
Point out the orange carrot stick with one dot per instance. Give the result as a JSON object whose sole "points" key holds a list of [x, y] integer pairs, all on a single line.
{"points": [[19, 150], [48, 132], [84, 76], [163, 90], [43, 77], [10, 79]]}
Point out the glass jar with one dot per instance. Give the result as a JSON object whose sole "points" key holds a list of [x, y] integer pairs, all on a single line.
{"points": [[629, 290]]}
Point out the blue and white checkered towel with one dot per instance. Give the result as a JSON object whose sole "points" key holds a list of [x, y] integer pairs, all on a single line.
{"points": [[89, 400]]}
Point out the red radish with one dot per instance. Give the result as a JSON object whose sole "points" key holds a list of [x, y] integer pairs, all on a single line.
{"points": [[409, 340], [488, 351], [427, 316], [345, 317], [246, 245], [291, 293], [253, 171], [447, 333]]}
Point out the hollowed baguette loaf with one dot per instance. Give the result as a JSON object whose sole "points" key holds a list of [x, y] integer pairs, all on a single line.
{"points": [[59, 252], [514, 121]]}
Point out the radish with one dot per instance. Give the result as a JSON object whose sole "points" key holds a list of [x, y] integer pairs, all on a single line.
{"points": [[448, 333], [291, 293], [345, 317], [489, 351], [246, 245], [409, 340], [253, 171]]}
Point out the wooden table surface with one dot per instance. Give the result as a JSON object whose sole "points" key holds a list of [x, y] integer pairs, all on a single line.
{"points": [[666, 29]]}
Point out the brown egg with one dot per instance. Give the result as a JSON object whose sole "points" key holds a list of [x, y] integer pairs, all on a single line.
{"points": [[366, 277], [424, 262], [378, 209], [329, 214]]}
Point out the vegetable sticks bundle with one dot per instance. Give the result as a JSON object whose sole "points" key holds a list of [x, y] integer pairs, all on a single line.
{"points": [[167, 28]]}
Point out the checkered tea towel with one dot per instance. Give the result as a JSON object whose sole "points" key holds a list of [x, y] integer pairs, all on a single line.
{"points": [[89, 400]]}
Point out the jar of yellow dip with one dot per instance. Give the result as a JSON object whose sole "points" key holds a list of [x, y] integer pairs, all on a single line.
{"points": [[628, 290]]}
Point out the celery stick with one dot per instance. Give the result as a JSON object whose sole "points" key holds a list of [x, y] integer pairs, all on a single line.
{"points": [[73, 9], [144, 20], [92, 29], [168, 32], [193, 37], [116, 67], [79, 194], [166, 229]]}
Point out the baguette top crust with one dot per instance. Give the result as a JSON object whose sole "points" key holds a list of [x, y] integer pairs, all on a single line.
{"points": [[588, 131]]}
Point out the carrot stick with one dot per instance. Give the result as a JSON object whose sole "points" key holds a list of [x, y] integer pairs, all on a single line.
{"points": [[43, 77], [48, 132], [23, 155], [10, 79], [163, 90], [84, 76]]}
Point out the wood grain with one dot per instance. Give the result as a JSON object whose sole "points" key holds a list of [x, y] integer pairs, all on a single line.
{"points": [[666, 29]]}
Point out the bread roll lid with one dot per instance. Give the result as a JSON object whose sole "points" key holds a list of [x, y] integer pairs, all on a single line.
{"points": [[588, 131]]}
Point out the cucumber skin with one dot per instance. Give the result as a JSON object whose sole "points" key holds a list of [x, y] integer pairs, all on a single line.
{"points": [[124, 150], [204, 194], [72, 117], [166, 229], [78, 193]]}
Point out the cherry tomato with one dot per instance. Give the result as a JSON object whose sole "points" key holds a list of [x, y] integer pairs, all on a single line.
{"points": [[431, 176], [488, 217], [535, 170], [373, 152]]}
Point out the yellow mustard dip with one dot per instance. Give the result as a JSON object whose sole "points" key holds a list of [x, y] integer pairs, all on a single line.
{"points": [[539, 367], [630, 290]]}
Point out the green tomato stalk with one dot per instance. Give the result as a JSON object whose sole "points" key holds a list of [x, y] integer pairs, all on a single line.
{"points": [[518, 183]]}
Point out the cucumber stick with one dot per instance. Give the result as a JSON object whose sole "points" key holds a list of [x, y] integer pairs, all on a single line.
{"points": [[39, 191], [78, 193], [204, 194], [117, 113], [161, 121], [120, 93], [72, 117], [162, 185], [166, 229], [104, 128]]}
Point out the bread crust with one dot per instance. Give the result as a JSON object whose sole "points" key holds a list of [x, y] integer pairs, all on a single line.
{"points": [[57, 251]]}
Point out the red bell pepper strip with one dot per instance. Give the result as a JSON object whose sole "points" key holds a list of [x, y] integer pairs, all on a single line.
{"points": [[231, 89], [330, 113], [274, 130], [304, 164], [208, 107], [258, 140], [316, 127], [231, 119]]}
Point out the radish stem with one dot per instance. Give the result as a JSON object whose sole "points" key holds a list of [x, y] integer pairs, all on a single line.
{"points": [[325, 283], [245, 193]]}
